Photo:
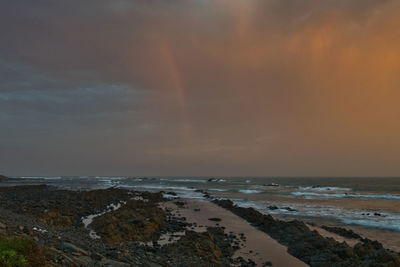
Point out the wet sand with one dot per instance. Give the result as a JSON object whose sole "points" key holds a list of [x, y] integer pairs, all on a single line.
{"points": [[258, 246]]}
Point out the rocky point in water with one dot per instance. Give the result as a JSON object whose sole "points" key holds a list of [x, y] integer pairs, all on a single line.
{"points": [[312, 248]]}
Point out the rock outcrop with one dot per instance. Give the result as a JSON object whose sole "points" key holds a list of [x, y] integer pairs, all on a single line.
{"points": [[135, 221], [312, 248], [342, 232], [52, 218]]}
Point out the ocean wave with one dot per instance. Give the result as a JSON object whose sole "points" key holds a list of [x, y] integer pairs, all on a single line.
{"points": [[41, 177], [324, 188], [217, 189], [345, 195], [248, 191], [370, 219], [184, 180], [248, 204], [158, 187], [107, 183], [391, 225], [184, 194]]}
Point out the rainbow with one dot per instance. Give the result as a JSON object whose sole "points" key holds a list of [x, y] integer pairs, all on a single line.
{"points": [[177, 83]]}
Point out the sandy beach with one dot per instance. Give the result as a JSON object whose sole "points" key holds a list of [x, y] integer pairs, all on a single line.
{"points": [[258, 246]]}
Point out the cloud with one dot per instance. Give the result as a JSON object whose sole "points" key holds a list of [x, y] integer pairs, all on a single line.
{"points": [[177, 82]]}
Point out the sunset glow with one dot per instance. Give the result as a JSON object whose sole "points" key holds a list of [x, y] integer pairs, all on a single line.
{"points": [[258, 87]]}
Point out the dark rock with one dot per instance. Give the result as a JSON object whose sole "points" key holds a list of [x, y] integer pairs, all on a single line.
{"points": [[289, 209], [214, 219], [210, 248], [312, 248], [72, 248], [342, 232], [135, 221], [179, 203], [96, 256]]}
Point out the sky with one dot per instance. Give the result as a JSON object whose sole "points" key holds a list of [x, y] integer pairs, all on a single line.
{"points": [[200, 87]]}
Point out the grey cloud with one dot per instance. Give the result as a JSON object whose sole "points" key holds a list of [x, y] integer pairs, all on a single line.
{"points": [[196, 87]]}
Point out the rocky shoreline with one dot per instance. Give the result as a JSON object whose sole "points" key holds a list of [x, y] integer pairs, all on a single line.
{"points": [[312, 248], [128, 233], [117, 227]]}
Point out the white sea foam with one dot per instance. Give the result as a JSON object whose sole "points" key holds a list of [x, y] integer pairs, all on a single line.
{"points": [[191, 195], [53, 178], [169, 196], [370, 219], [41, 177], [112, 181], [391, 225], [39, 230], [158, 187], [185, 194], [112, 178], [89, 219], [217, 189], [248, 191], [346, 195], [184, 180], [325, 188]]}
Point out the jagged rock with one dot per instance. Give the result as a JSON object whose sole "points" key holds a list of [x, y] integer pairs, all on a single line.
{"points": [[59, 213], [196, 249], [59, 208], [342, 232], [72, 248], [312, 248], [134, 221], [82, 260], [108, 262], [96, 256]]}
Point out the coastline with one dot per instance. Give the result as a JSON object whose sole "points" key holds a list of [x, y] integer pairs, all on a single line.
{"points": [[254, 244], [146, 229]]}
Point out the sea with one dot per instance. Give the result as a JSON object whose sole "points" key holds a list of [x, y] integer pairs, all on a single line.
{"points": [[370, 206]]}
